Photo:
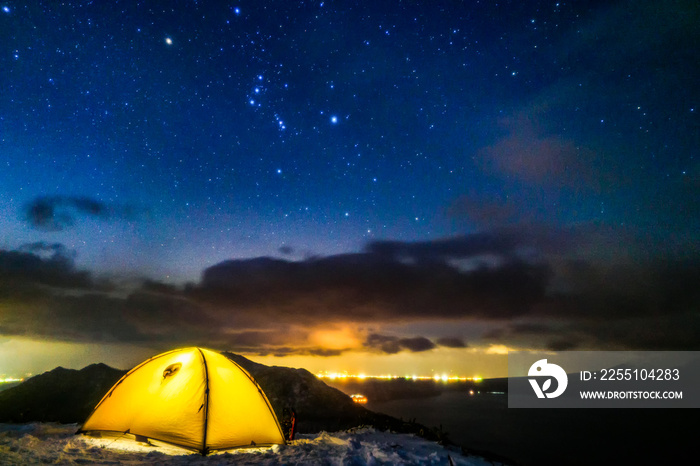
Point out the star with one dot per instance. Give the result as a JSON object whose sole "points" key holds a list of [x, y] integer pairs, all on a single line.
{"points": [[190, 126]]}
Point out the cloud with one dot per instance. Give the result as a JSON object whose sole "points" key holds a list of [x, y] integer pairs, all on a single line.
{"points": [[392, 345], [562, 344], [551, 336], [57, 213], [31, 265], [505, 242], [451, 342], [542, 159], [52, 250], [536, 292], [594, 141], [368, 287], [42, 313], [560, 279]]}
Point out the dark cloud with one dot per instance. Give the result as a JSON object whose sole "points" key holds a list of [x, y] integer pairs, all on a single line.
{"points": [[562, 345], [320, 352], [50, 314], [501, 243], [281, 351], [272, 339], [56, 213], [391, 345], [451, 342], [661, 332], [274, 306], [507, 242], [416, 344], [383, 343], [369, 288], [525, 240], [50, 250], [255, 338], [170, 317], [23, 267], [554, 337]]}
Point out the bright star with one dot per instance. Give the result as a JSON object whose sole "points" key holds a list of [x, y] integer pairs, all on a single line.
{"points": [[6, 9], [168, 41], [334, 119]]}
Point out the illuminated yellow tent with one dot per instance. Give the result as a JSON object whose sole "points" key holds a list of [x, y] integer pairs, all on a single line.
{"points": [[193, 398]]}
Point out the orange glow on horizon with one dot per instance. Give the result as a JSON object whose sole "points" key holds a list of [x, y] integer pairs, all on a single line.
{"points": [[338, 339], [453, 362], [498, 349]]}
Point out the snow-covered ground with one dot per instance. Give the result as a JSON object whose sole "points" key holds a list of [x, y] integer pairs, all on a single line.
{"points": [[56, 444]]}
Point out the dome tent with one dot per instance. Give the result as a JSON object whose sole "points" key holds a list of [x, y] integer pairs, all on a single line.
{"points": [[193, 398]]}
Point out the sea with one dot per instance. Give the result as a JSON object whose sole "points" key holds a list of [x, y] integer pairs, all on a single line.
{"points": [[482, 422]]}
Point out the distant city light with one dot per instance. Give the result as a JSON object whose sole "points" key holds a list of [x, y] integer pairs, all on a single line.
{"points": [[10, 380], [437, 377]]}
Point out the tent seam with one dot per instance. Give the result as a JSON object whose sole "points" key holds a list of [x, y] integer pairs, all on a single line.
{"points": [[123, 377], [204, 451]]}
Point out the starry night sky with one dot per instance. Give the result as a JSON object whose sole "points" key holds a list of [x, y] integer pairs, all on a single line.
{"points": [[395, 181]]}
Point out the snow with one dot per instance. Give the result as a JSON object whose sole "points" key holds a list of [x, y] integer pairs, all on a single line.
{"points": [[57, 444]]}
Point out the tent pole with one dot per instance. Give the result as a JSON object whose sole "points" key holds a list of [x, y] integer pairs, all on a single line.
{"points": [[205, 450]]}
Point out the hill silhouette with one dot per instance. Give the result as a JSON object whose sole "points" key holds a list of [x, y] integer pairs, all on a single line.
{"points": [[69, 395], [59, 395]]}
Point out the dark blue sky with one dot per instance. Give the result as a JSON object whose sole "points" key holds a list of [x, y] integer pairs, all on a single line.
{"points": [[157, 139]]}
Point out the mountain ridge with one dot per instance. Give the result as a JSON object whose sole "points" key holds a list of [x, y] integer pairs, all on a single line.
{"points": [[69, 396]]}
